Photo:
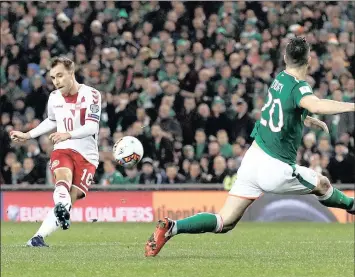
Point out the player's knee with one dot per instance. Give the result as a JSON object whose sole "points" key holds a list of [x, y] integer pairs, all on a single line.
{"points": [[63, 174], [323, 185]]}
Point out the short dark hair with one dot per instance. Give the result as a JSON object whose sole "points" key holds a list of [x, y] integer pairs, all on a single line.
{"points": [[297, 52], [68, 63], [171, 165], [200, 130], [195, 163]]}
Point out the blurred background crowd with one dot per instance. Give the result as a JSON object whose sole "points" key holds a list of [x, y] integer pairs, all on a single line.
{"points": [[186, 78]]}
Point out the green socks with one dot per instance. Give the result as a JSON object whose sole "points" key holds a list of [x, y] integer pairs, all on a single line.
{"points": [[198, 223], [336, 199]]}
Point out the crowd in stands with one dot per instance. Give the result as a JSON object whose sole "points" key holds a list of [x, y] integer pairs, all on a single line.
{"points": [[186, 78]]}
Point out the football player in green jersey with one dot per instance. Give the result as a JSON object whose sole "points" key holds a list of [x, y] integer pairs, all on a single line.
{"points": [[269, 165]]}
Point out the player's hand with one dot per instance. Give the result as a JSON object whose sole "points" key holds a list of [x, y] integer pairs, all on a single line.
{"points": [[58, 137], [323, 125], [18, 136], [311, 122]]}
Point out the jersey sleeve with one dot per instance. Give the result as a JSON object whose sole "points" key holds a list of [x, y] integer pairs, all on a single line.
{"points": [[300, 91], [93, 110], [50, 109]]}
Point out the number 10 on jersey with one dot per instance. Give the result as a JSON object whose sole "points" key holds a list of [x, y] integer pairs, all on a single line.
{"points": [[280, 123], [68, 124]]}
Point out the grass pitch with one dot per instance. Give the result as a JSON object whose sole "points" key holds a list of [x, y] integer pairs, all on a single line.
{"points": [[111, 249]]}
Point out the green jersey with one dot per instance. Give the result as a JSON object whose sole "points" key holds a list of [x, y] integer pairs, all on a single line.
{"points": [[114, 178], [279, 130]]}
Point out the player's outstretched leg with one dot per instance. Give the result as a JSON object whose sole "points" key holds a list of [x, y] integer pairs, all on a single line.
{"points": [[63, 204], [332, 197], [222, 222], [59, 216]]}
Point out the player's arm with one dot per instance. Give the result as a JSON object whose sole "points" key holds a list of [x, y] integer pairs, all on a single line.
{"points": [[324, 106], [92, 117], [49, 124]]}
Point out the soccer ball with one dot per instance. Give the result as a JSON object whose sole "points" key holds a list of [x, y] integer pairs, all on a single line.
{"points": [[128, 151]]}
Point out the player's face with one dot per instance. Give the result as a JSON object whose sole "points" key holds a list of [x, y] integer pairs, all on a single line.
{"points": [[62, 78]]}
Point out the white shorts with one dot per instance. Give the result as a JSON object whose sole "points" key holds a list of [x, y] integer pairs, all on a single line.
{"points": [[261, 173]]}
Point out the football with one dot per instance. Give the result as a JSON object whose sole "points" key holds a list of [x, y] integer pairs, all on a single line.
{"points": [[128, 151]]}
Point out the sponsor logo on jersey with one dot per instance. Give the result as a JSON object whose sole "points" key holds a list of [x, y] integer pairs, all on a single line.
{"points": [[95, 116], [305, 89], [58, 106], [94, 108]]}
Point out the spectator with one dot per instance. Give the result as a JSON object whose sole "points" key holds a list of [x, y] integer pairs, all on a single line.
{"points": [[341, 166], [324, 146], [309, 141], [242, 124], [10, 159], [314, 163], [39, 159], [339, 123], [31, 174], [132, 176], [201, 144], [188, 119], [218, 120], [149, 174], [213, 152], [203, 115], [185, 167], [38, 98], [188, 152], [17, 173], [170, 126], [184, 65], [163, 147], [220, 170], [194, 176], [226, 148], [172, 175], [111, 175]]}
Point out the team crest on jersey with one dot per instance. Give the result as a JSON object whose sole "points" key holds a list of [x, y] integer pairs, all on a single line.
{"points": [[94, 108], [305, 89], [54, 164]]}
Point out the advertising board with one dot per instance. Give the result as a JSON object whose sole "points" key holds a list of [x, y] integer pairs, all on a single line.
{"points": [[115, 206]]}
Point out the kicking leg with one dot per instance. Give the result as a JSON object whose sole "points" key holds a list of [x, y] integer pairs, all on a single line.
{"points": [[61, 196], [222, 222], [62, 200], [332, 197]]}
